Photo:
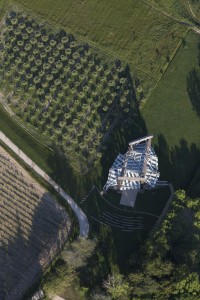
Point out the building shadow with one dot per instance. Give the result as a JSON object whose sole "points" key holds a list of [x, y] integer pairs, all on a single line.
{"points": [[131, 126], [177, 164], [193, 89], [126, 124], [24, 255]]}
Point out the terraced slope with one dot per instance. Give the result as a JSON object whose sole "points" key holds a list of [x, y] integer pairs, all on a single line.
{"points": [[32, 229]]}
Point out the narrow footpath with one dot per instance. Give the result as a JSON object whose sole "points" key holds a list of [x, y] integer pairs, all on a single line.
{"points": [[165, 209], [82, 218]]}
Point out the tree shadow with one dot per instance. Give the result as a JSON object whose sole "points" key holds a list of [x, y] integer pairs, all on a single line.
{"points": [[130, 126], [25, 254], [62, 172], [193, 89], [177, 164]]}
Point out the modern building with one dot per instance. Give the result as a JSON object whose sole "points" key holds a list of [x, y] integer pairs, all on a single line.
{"points": [[136, 169]]}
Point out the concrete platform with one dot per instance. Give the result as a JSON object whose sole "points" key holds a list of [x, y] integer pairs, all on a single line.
{"points": [[128, 197], [58, 298]]}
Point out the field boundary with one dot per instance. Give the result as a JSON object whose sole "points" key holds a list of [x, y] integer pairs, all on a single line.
{"points": [[135, 70], [94, 45], [164, 71], [184, 21], [30, 132]]}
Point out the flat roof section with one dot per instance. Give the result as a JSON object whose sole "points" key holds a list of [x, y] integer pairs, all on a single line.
{"points": [[128, 197]]}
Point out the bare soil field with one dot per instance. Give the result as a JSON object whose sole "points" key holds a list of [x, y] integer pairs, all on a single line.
{"points": [[33, 227]]}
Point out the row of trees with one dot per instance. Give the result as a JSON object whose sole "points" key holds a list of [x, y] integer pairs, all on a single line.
{"points": [[168, 265], [62, 87]]}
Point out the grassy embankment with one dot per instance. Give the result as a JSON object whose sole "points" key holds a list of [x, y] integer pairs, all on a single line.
{"points": [[171, 114], [182, 10], [195, 8], [48, 160]]}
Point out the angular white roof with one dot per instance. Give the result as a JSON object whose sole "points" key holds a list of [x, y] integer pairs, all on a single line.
{"points": [[136, 169]]}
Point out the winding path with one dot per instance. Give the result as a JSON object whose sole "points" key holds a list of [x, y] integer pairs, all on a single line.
{"points": [[176, 18], [165, 209], [82, 218]]}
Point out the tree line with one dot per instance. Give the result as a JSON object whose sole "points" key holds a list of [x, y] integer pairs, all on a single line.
{"points": [[166, 267]]}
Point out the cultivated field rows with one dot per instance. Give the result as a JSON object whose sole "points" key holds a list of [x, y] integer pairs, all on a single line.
{"points": [[32, 228], [61, 88]]}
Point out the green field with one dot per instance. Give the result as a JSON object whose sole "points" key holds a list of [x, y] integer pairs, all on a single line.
{"points": [[195, 7], [172, 115], [133, 32], [176, 9]]}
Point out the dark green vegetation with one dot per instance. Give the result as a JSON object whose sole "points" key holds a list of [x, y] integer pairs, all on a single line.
{"points": [[134, 33], [171, 114], [170, 258], [194, 188], [166, 267], [123, 225], [86, 264], [63, 89], [62, 277]]}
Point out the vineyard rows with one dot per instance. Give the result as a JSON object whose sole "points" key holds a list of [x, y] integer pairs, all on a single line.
{"points": [[32, 229], [62, 88]]}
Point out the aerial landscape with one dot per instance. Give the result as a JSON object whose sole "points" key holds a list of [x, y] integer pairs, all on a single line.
{"points": [[99, 149]]}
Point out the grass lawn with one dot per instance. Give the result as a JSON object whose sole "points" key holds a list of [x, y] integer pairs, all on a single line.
{"points": [[171, 115], [133, 32]]}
